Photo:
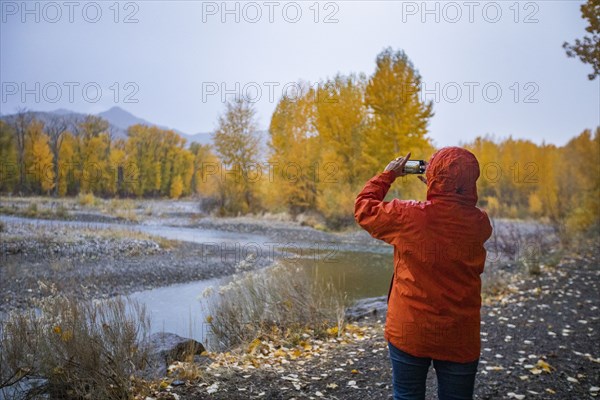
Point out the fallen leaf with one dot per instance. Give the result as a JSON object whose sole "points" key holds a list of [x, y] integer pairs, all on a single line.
{"points": [[213, 388], [495, 368], [253, 345], [544, 366], [333, 331]]}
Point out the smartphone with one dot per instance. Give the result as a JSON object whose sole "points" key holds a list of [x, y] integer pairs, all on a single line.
{"points": [[414, 167]]}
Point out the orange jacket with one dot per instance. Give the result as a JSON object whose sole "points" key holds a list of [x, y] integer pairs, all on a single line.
{"points": [[435, 296]]}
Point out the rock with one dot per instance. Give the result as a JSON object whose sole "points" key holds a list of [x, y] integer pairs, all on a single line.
{"points": [[164, 348], [369, 307], [23, 389]]}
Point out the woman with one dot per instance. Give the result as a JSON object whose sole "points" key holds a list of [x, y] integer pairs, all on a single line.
{"points": [[435, 294]]}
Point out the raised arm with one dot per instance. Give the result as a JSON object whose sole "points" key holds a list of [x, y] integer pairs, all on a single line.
{"points": [[381, 218]]}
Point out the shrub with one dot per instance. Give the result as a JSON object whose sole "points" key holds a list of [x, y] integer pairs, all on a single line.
{"points": [[281, 298], [61, 211], [493, 281], [123, 209], [32, 210], [209, 205], [81, 350], [312, 219], [87, 199]]}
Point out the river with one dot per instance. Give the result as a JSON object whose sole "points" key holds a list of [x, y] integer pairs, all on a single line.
{"points": [[180, 308]]}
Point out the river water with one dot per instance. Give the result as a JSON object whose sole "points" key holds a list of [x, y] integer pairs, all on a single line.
{"points": [[181, 308]]}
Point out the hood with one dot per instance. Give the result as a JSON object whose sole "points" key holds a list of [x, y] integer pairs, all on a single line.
{"points": [[452, 175]]}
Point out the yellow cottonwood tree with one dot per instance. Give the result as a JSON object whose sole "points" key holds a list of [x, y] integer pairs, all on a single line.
{"points": [[237, 145], [206, 176], [8, 159], [176, 187], [341, 123], [581, 183], [38, 159], [66, 178], [114, 182], [399, 116], [93, 151], [291, 182]]}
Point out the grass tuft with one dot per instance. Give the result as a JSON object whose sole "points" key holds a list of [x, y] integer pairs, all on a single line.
{"points": [[282, 299], [80, 350]]}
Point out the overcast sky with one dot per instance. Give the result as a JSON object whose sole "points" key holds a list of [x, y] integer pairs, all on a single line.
{"points": [[490, 67]]}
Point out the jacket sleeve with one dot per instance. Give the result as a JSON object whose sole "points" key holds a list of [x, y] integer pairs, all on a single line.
{"points": [[380, 218], [487, 227]]}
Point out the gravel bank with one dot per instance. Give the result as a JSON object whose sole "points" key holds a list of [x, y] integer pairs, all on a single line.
{"points": [[98, 263], [539, 341]]}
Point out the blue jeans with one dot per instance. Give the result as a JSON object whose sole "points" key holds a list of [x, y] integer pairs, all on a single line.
{"points": [[409, 373]]}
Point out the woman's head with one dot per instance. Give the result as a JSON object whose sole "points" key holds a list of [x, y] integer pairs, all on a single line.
{"points": [[452, 174]]}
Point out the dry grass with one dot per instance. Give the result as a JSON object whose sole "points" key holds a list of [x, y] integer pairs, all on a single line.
{"points": [[81, 350], [528, 249], [35, 207], [282, 299], [70, 235], [41, 207], [124, 234], [124, 209], [88, 199]]}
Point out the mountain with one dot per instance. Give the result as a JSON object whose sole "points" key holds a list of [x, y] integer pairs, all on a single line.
{"points": [[62, 111], [200, 138], [46, 116], [120, 120], [123, 119]]}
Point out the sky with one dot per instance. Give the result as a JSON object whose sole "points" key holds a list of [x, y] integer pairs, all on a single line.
{"points": [[491, 68]]}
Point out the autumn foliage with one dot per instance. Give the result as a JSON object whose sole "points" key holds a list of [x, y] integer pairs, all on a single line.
{"points": [[330, 139], [521, 179], [151, 162], [324, 142]]}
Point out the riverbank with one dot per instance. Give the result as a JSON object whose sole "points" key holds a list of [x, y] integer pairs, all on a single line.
{"points": [[537, 342], [86, 250], [96, 262], [92, 248]]}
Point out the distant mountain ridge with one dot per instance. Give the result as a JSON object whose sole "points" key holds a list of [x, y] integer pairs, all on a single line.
{"points": [[119, 120], [122, 119]]}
